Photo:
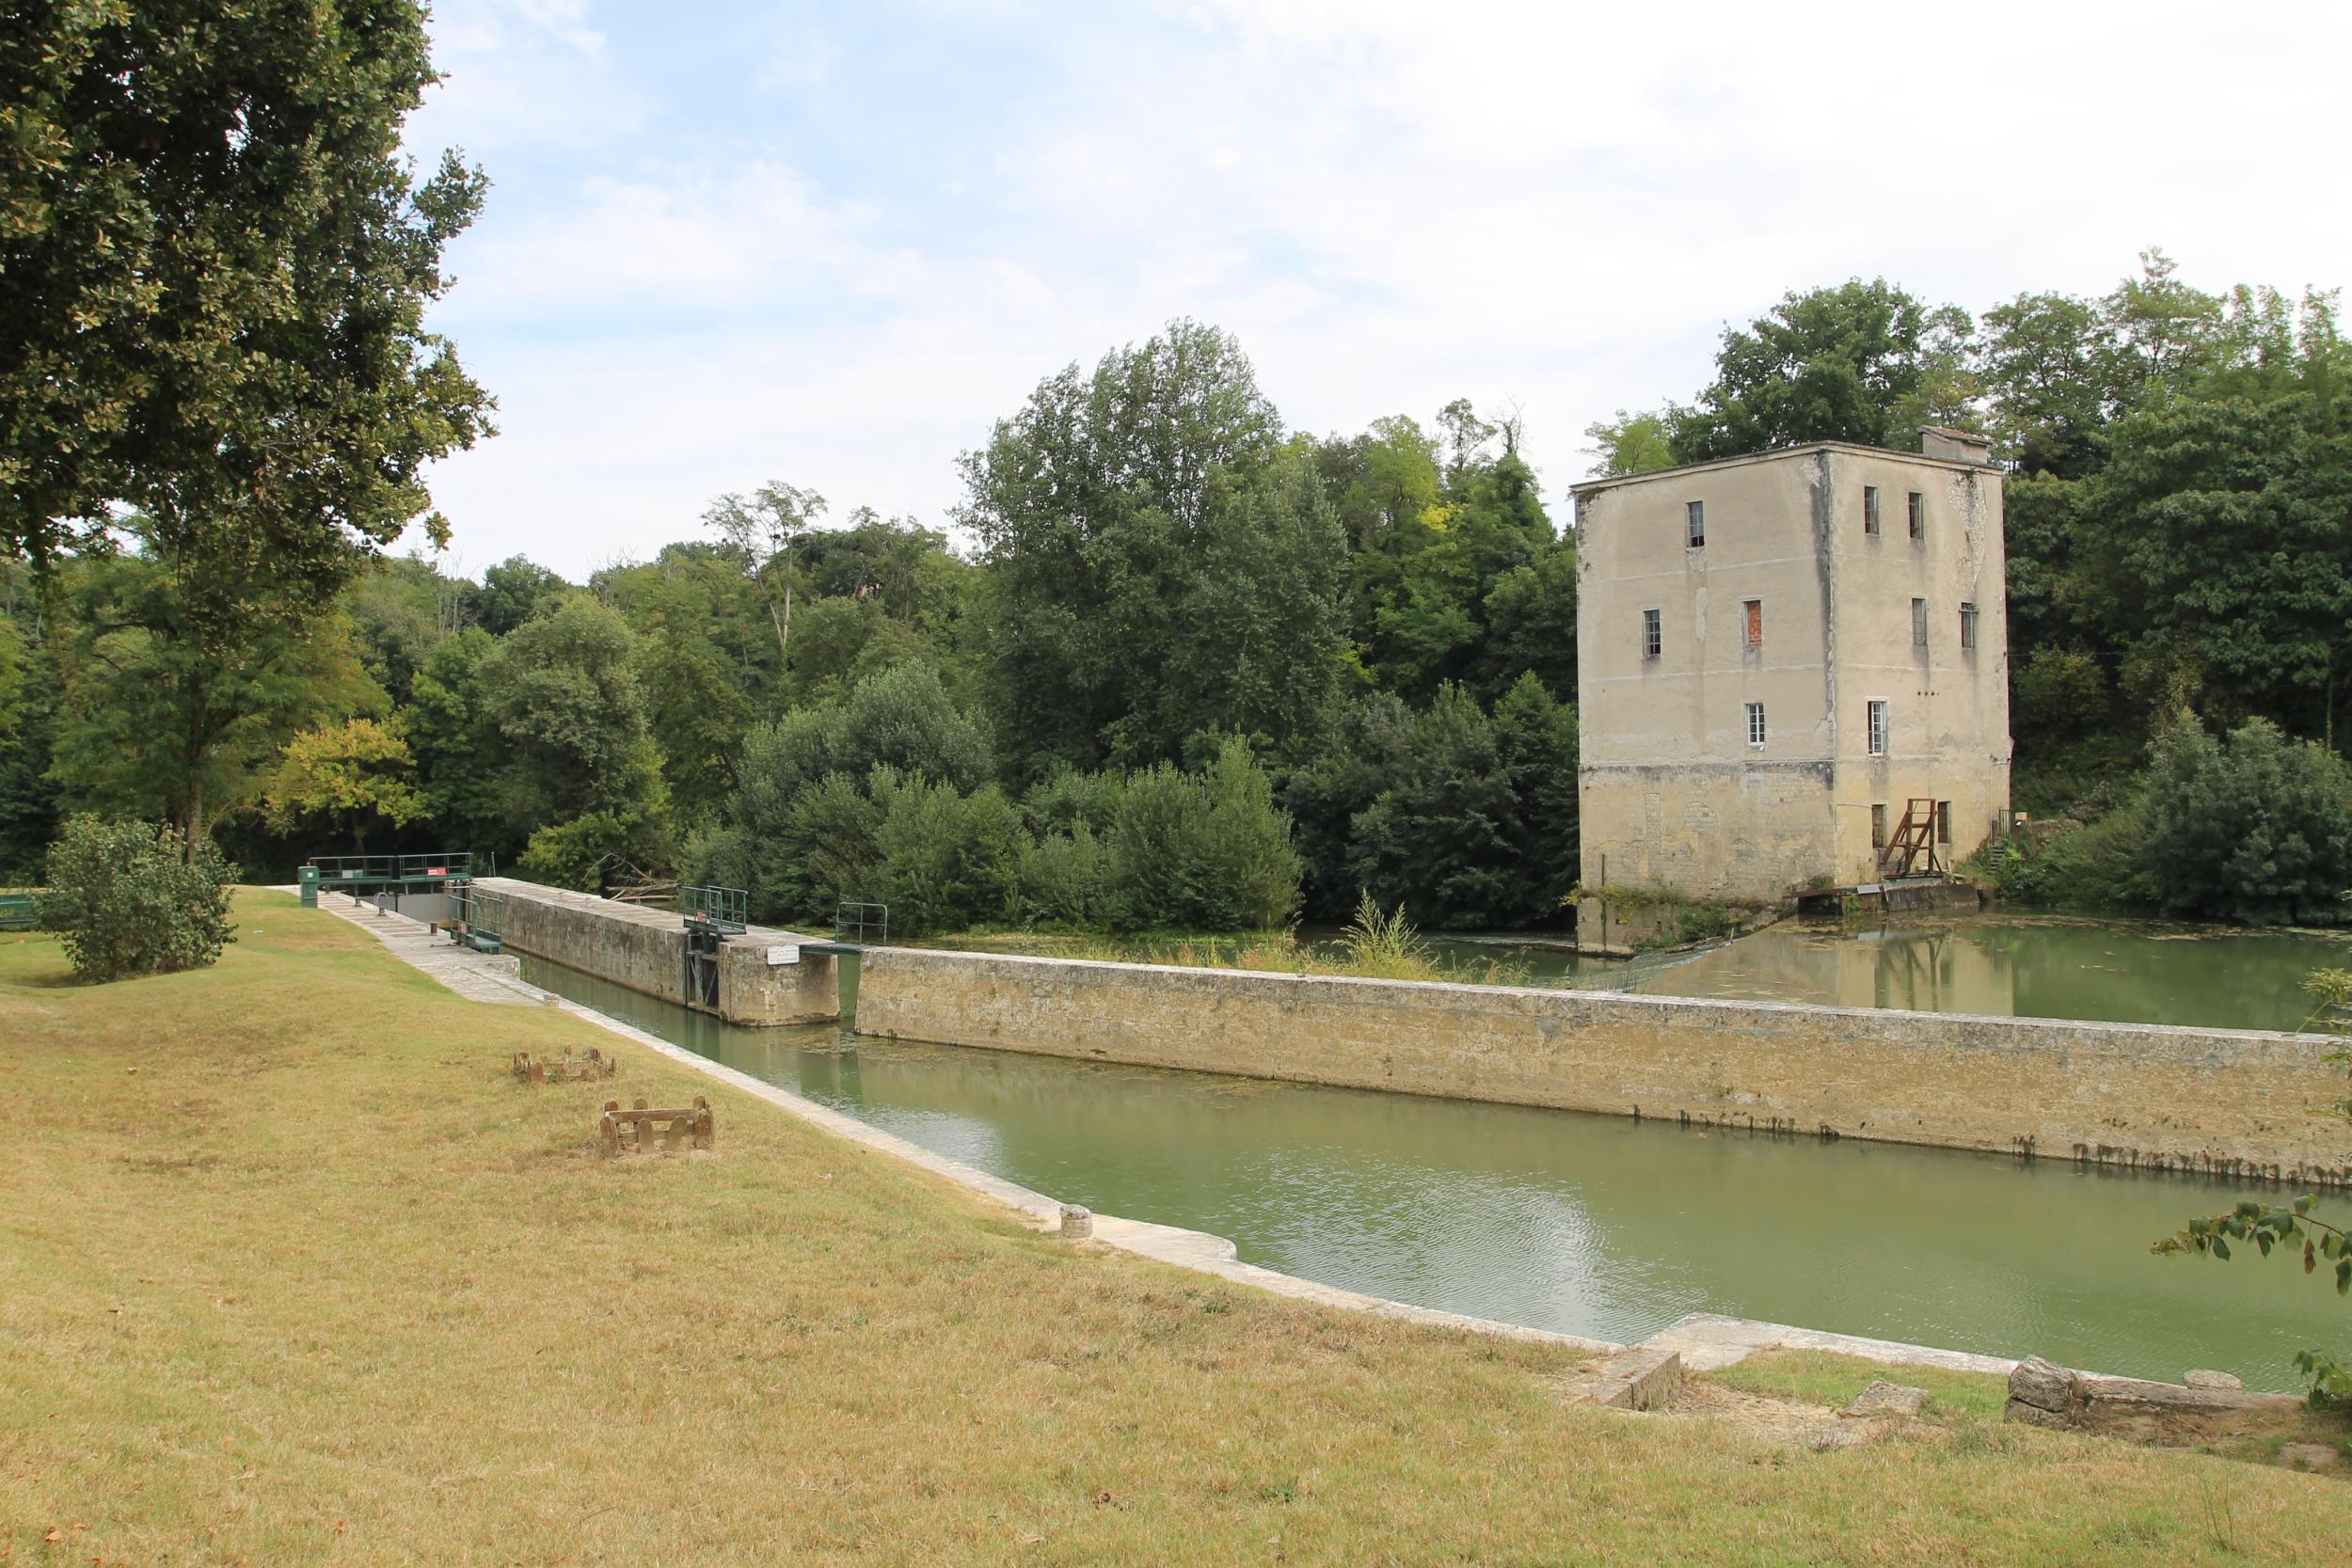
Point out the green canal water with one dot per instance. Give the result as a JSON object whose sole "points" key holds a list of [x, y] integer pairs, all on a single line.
{"points": [[1591, 1224], [2005, 964]]}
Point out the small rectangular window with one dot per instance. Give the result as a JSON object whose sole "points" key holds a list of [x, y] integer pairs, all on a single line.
{"points": [[1942, 821], [1878, 827], [1755, 723], [1755, 623], [1878, 727], [1918, 515], [1653, 639], [1694, 522], [1918, 623], [1967, 625], [1869, 509]]}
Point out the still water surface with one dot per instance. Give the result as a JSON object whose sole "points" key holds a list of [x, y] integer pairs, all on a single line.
{"points": [[1589, 1225], [2006, 965]]}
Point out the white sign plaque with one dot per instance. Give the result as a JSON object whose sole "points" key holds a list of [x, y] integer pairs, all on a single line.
{"points": [[784, 955]]}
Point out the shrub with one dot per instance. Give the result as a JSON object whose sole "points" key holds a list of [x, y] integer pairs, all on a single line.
{"points": [[826, 854], [2093, 867], [2256, 828], [1202, 852], [129, 899], [948, 860], [1071, 800], [1064, 879]]}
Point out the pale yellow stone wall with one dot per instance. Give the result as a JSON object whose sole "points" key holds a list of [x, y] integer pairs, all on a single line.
{"points": [[646, 950], [2126, 1094], [1673, 793]]}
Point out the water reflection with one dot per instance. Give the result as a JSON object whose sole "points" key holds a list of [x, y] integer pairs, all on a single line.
{"points": [[2004, 964], [2022, 966], [1591, 1224]]}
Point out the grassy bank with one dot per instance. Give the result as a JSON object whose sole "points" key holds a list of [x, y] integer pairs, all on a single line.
{"points": [[293, 1271], [1279, 952]]}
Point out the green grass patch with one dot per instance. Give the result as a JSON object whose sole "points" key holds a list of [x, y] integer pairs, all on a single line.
{"points": [[1819, 1377], [293, 1271]]}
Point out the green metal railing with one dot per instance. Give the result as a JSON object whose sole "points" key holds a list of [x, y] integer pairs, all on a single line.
{"points": [[364, 874], [336, 870], [715, 909], [862, 924], [481, 919], [19, 911]]}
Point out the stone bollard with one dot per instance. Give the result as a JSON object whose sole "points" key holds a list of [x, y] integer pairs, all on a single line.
{"points": [[1077, 1223], [2041, 1394]]}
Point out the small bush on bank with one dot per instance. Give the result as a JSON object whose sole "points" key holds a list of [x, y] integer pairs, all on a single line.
{"points": [[2092, 867], [127, 899], [2256, 828], [1204, 851]]}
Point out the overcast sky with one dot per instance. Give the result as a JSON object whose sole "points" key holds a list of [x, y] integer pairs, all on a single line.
{"points": [[829, 245]]}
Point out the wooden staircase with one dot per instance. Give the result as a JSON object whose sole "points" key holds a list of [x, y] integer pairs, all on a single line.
{"points": [[1911, 848]]}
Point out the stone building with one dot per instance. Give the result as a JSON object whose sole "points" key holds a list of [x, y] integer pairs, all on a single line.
{"points": [[1792, 670]]}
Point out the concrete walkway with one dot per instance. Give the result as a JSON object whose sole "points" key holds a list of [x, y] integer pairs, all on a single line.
{"points": [[1706, 1341]]}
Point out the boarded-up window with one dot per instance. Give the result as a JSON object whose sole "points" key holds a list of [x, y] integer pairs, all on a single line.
{"points": [[1942, 821], [1918, 515], [1878, 827], [1754, 622], [1918, 623]]}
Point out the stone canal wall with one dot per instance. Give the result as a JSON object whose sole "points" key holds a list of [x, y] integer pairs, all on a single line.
{"points": [[2230, 1101], [646, 950]]}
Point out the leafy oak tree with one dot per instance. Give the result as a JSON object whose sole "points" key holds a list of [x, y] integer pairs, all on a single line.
{"points": [[349, 776], [214, 266], [174, 705], [1861, 362], [1091, 504], [582, 775]]}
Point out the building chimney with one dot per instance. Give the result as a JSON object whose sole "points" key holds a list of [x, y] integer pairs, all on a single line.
{"points": [[1957, 445]]}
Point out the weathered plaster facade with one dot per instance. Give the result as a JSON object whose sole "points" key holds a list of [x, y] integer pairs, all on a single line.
{"points": [[1794, 604]]}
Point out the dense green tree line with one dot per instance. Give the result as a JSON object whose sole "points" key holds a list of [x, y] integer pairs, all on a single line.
{"points": [[1197, 673], [1192, 668]]}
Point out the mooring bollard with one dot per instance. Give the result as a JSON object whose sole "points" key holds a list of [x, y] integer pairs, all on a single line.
{"points": [[1077, 1223]]}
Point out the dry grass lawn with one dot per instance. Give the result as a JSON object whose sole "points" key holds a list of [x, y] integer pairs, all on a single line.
{"points": [[293, 1271]]}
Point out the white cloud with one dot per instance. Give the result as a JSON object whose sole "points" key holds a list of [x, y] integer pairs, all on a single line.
{"points": [[1393, 203]]}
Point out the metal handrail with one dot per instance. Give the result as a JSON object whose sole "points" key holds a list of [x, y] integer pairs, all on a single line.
{"points": [[723, 909], [862, 924], [437, 866], [483, 913]]}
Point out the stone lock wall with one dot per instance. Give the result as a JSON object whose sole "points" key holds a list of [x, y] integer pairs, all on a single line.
{"points": [[646, 950], [2230, 1101], [642, 949], [753, 990]]}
